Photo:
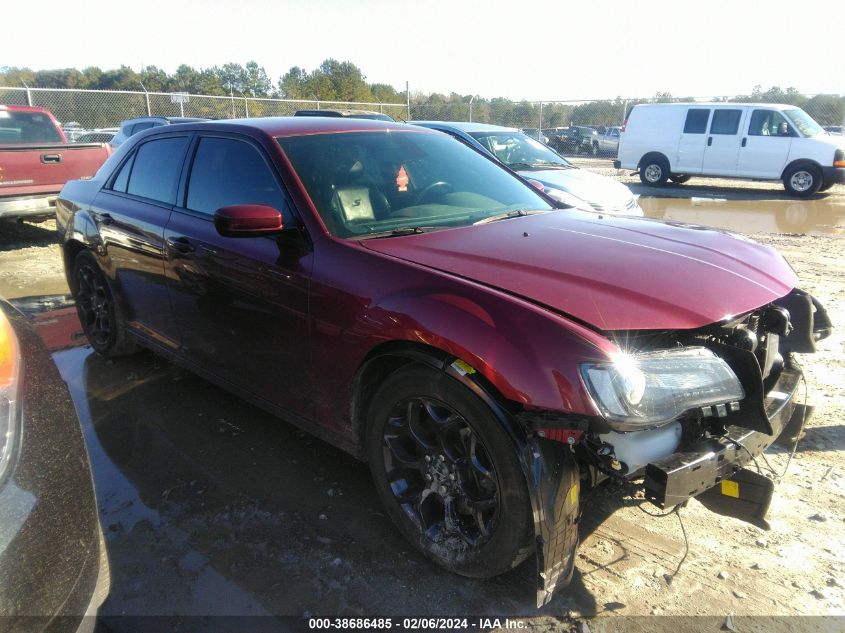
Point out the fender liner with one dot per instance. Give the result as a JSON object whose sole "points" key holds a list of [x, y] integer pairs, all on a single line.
{"points": [[552, 478]]}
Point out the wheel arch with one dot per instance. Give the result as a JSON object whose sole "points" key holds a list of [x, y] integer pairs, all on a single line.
{"points": [[70, 250], [652, 156], [389, 357], [800, 162]]}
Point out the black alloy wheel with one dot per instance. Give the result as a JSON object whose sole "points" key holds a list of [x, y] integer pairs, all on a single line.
{"points": [[439, 472], [448, 473]]}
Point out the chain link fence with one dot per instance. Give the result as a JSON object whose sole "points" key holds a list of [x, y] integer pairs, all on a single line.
{"points": [[571, 127], [96, 109]]}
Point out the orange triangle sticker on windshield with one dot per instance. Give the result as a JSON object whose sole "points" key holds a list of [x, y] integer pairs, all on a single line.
{"points": [[402, 179]]}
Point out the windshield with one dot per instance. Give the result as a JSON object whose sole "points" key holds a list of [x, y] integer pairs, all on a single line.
{"points": [[372, 184], [519, 151], [804, 122]]}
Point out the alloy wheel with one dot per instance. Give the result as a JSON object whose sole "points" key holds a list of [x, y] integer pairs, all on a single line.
{"points": [[94, 303], [440, 473]]}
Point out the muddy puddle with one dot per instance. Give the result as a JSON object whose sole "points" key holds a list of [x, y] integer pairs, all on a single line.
{"points": [[814, 217]]}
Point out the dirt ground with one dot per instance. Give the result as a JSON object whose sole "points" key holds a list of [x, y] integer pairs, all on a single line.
{"points": [[211, 507]]}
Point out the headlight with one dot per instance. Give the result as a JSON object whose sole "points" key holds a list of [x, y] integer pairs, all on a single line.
{"points": [[637, 391], [567, 198], [9, 371]]}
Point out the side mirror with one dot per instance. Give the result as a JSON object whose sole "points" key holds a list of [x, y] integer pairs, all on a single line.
{"points": [[247, 220]]}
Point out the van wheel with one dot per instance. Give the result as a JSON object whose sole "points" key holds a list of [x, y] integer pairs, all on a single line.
{"points": [[654, 171], [679, 179], [802, 181], [826, 186]]}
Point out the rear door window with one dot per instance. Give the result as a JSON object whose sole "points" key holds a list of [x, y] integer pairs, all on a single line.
{"points": [[696, 122], [725, 122], [228, 171], [155, 170], [122, 178]]}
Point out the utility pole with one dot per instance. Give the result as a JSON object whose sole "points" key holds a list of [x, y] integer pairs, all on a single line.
{"points": [[28, 94], [147, 96], [471, 99]]}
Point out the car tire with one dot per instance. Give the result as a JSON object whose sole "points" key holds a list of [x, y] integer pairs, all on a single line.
{"points": [[802, 181], [448, 474], [654, 171], [826, 186], [679, 179], [100, 315]]}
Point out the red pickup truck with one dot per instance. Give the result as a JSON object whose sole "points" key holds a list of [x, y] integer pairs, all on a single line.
{"points": [[36, 160]]}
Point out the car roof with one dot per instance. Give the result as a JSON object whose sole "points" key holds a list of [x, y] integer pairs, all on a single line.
{"points": [[728, 104], [297, 125], [22, 108], [465, 126]]}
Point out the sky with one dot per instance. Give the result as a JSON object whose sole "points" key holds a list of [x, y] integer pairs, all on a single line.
{"points": [[533, 49]]}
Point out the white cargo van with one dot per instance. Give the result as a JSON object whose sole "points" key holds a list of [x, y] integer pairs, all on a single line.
{"points": [[761, 141]]}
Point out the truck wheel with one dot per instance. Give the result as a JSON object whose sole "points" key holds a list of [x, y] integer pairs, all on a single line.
{"points": [[802, 181], [679, 179], [654, 171], [101, 317], [447, 474]]}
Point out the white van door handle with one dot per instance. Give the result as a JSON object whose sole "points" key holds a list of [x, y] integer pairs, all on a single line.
{"points": [[744, 140], [709, 141]]}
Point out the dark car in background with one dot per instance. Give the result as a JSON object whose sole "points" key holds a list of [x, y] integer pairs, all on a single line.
{"points": [[576, 139], [492, 354], [130, 127], [53, 563]]}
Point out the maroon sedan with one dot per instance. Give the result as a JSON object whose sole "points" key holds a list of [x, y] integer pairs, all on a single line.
{"points": [[491, 354]]}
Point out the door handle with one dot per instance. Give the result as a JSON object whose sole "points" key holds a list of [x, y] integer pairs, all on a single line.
{"points": [[103, 218], [180, 244], [709, 141], [744, 141], [51, 159]]}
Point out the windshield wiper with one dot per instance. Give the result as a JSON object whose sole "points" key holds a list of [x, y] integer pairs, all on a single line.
{"points": [[517, 213], [405, 230]]}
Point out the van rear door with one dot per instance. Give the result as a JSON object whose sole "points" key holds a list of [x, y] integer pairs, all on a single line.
{"points": [[765, 146], [693, 141], [723, 142]]}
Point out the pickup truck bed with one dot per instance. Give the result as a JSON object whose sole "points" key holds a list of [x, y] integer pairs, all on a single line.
{"points": [[33, 173]]}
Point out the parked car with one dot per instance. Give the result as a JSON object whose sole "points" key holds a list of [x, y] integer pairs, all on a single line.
{"points": [[53, 563], [36, 160], [349, 114], [534, 161], [576, 139], [535, 133], [762, 141], [130, 127], [73, 130], [608, 141], [834, 129], [491, 353], [104, 135]]}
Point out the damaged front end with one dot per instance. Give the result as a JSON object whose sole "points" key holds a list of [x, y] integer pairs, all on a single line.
{"points": [[683, 410]]}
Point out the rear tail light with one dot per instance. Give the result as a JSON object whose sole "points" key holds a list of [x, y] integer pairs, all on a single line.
{"points": [[839, 158], [10, 363]]}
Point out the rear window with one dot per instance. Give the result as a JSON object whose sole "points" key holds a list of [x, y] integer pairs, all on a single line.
{"points": [[27, 127], [696, 121]]}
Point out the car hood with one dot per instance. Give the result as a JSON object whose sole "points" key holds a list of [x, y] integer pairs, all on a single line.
{"points": [[615, 273], [601, 192]]}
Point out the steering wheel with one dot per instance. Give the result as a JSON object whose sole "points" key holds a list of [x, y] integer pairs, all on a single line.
{"points": [[440, 184]]}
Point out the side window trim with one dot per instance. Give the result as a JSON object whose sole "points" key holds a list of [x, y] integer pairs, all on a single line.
{"points": [[131, 156], [182, 196]]}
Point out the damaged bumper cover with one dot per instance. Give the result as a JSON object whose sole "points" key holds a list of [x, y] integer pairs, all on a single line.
{"points": [[682, 475]]}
